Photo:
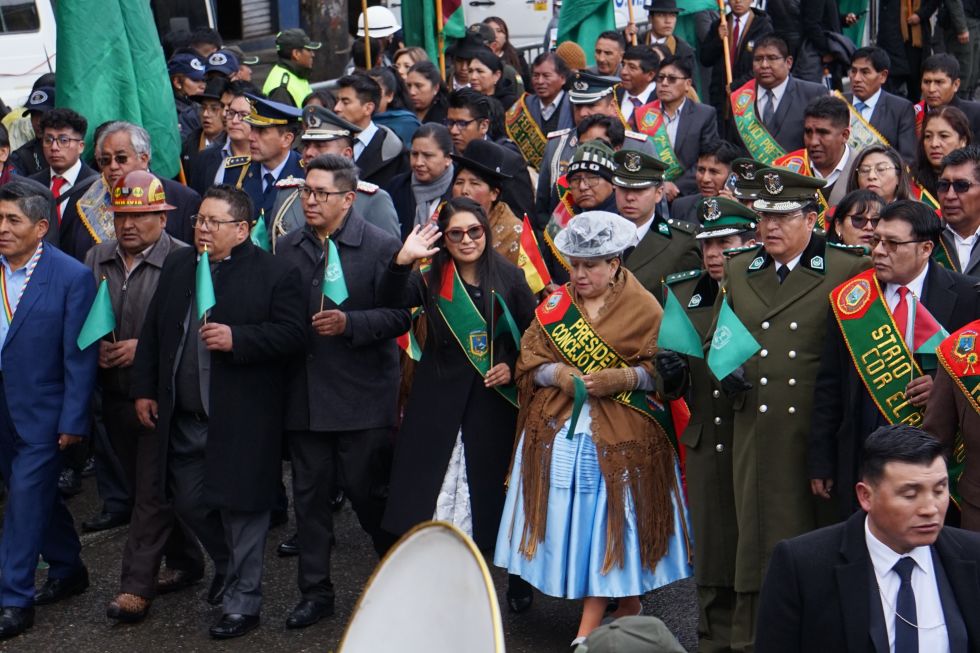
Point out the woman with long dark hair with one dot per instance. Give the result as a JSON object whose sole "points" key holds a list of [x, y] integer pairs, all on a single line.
{"points": [[418, 194], [394, 111], [487, 77], [503, 48], [457, 437], [880, 168], [943, 130], [427, 92], [855, 218]]}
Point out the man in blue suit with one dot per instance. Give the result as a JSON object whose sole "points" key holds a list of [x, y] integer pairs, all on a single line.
{"points": [[270, 143], [46, 385]]}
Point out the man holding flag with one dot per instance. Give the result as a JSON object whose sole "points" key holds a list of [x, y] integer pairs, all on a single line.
{"points": [[688, 312], [214, 388], [765, 350], [335, 438], [880, 351]]}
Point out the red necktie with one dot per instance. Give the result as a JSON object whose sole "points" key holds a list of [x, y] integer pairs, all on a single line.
{"points": [[734, 49], [57, 182], [901, 312]]}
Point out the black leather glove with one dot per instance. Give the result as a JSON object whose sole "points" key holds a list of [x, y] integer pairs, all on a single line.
{"points": [[735, 384], [672, 369]]}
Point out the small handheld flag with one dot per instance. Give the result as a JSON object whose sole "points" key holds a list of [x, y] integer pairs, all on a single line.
{"points": [[101, 319], [731, 345], [260, 234], [334, 285], [677, 333], [529, 259], [580, 395], [927, 334], [204, 289]]}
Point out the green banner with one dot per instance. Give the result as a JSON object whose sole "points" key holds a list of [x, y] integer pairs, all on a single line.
{"points": [[758, 141]]}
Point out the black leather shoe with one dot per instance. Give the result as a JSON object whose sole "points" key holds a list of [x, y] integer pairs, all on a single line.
{"points": [[289, 548], [14, 621], [105, 520], [174, 580], [128, 608], [217, 590], [58, 589], [308, 612], [520, 594], [70, 483], [234, 625]]}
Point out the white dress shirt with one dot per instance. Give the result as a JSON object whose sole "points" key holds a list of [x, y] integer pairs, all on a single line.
{"points": [[548, 110], [964, 246], [741, 21], [644, 228], [274, 171], [915, 287], [793, 262], [870, 104], [838, 169], [644, 96], [778, 92], [928, 606], [672, 122], [364, 138]]}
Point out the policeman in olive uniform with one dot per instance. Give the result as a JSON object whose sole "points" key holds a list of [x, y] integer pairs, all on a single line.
{"points": [[778, 290], [327, 133], [726, 224], [746, 184], [666, 246]]}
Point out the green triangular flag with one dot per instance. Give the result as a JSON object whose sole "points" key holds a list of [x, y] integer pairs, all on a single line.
{"points": [[505, 320], [731, 345], [677, 333], [260, 233], [334, 286], [101, 319], [580, 396], [204, 288]]}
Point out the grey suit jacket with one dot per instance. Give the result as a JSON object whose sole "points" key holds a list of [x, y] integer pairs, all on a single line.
{"points": [[973, 265], [894, 118], [787, 122], [698, 128]]}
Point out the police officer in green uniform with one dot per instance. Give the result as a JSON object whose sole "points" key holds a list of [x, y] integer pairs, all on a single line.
{"points": [[324, 132], [779, 291], [288, 81], [746, 185], [726, 225], [665, 246]]}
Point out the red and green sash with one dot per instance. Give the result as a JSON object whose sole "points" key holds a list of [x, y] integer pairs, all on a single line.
{"points": [[582, 348], [863, 134], [959, 356], [650, 121], [468, 326], [878, 350], [941, 255], [920, 116], [759, 142], [564, 211], [525, 132], [799, 161]]}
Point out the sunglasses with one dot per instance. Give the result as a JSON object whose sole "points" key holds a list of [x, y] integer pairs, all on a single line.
{"points": [[959, 186], [120, 159], [858, 221], [456, 235]]}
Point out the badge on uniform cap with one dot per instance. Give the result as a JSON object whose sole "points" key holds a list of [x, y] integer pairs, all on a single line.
{"points": [[746, 170], [313, 120], [757, 263], [218, 59], [710, 210], [581, 85], [695, 301], [196, 64], [633, 162], [38, 97], [772, 182]]}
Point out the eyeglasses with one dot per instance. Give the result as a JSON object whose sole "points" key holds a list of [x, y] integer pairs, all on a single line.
{"points": [[959, 186], [771, 58], [779, 218], [212, 108], [880, 169], [890, 246], [461, 124], [120, 159], [589, 181], [670, 79], [231, 115], [456, 235], [63, 141], [858, 221], [320, 195], [210, 224]]}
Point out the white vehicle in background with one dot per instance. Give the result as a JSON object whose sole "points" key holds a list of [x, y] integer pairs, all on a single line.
{"points": [[27, 47]]}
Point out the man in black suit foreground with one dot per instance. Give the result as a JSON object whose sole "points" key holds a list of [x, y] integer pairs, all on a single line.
{"points": [[890, 578]]}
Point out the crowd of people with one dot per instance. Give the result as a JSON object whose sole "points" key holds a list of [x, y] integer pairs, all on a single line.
{"points": [[658, 318]]}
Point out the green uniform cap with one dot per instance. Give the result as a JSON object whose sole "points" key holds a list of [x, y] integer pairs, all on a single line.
{"points": [[635, 169], [722, 217], [321, 124], [586, 88], [639, 634], [784, 191], [747, 183]]}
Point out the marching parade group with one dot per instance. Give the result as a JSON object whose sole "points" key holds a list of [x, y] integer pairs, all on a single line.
{"points": [[622, 325]]}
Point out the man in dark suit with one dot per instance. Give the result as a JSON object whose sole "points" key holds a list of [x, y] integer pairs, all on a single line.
{"points": [[958, 192], [549, 106], [940, 83], [780, 97], [744, 26], [378, 152], [274, 128], [352, 356], [638, 86], [893, 117], [67, 176], [45, 391], [890, 578], [845, 411], [212, 382]]}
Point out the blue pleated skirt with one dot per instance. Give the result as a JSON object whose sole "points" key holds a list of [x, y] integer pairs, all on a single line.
{"points": [[568, 563]]}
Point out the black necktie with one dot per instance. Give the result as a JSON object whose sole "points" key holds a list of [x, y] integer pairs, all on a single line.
{"points": [[268, 195], [906, 630], [782, 272]]}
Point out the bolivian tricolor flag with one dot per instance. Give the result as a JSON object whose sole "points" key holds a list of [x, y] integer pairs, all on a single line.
{"points": [[530, 260], [407, 340]]}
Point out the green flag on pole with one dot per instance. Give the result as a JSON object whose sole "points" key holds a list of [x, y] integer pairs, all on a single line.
{"points": [[334, 285], [204, 288], [260, 234], [120, 77], [419, 24], [677, 333], [101, 319], [582, 21], [731, 345]]}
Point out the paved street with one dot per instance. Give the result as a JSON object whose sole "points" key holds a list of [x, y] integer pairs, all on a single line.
{"points": [[179, 622]]}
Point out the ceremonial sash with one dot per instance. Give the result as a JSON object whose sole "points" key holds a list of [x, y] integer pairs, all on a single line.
{"points": [[525, 132], [582, 348], [959, 357], [920, 116], [758, 141], [650, 121], [862, 133], [877, 349], [941, 255], [799, 161], [8, 305], [468, 327], [94, 212], [564, 211]]}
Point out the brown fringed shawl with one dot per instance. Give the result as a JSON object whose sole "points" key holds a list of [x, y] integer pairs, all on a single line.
{"points": [[633, 451]]}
